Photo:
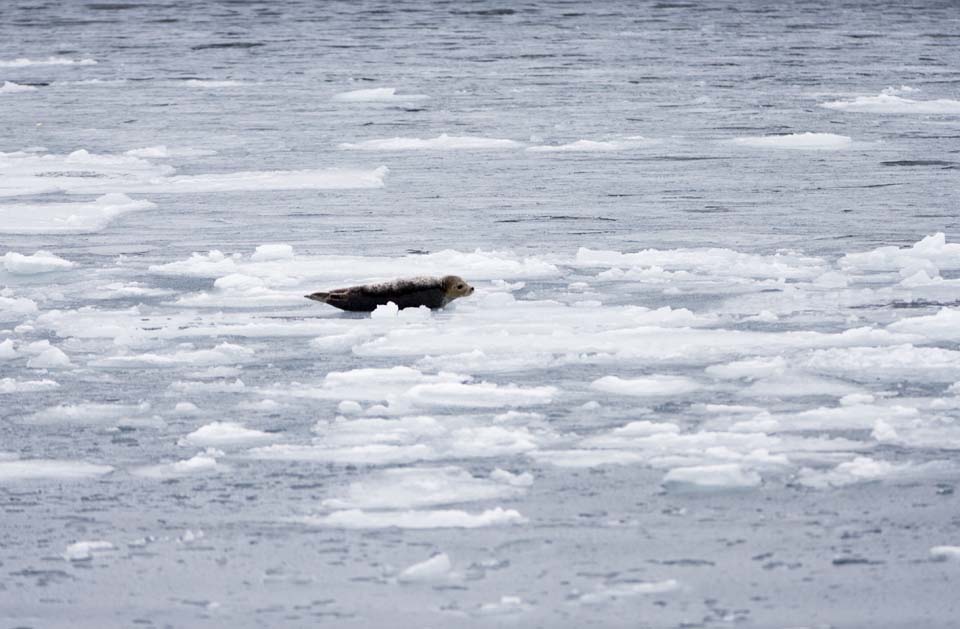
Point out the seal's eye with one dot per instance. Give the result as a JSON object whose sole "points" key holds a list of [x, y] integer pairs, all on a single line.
{"points": [[460, 286]]}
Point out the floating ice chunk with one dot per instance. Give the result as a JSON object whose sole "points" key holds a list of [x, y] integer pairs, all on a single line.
{"points": [[428, 519], [900, 362], [13, 309], [647, 386], [50, 358], [943, 326], [50, 469], [442, 142], [595, 146], [804, 141], [710, 262], [516, 480], [608, 592], [11, 385], [9, 87], [87, 413], [211, 83], [945, 553], [186, 408], [161, 151], [272, 252], [349, 407], [377, 95], [482, 395], [366, 384], [222, 434], [903, 89], [505, 606], [82, 172], [202, 463], [932, 250], [749, 368], [189, 536], [67, 218], [437, 568], [7, 350], [222, 354], [39, 262], [84, 551], [386, 311], [22, 62], [887, 103], [412, 488], [711, 477], [859, 470]]}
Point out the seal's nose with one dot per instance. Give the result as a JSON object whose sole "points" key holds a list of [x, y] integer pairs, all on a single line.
{"points": [[471, 290]]}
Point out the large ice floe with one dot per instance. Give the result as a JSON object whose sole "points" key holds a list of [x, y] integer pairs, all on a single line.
{"points": [[442, 142], [801, 141], [377, 95]]}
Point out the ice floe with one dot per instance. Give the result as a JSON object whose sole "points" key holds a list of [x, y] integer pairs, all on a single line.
{"points": [[607, 592], [595, 146], [39, 262], [83, 172], [416, 487], [202, 463], [23, 62], [711, 478], [887, 103], [426, 519], [377, 95], [945, 553], [437, 568], [84, 551], [801, 141], [224, 434], [50, 469], [442, 142], [67, 218], [12, 385], [9, 87]]}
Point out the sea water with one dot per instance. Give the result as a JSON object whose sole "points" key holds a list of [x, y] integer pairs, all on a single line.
{"points": [[710, 375]]}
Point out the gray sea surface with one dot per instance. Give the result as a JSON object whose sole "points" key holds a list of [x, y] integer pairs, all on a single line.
{"points": [[710, 376]]}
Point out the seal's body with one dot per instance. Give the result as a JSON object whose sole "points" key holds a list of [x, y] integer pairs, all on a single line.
{"points": [[432, 292]]}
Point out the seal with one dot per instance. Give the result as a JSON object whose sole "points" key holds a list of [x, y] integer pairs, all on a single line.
{"points": [[432, 292]]}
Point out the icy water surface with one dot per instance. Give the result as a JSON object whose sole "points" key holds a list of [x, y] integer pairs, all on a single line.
{"points": [[710, 376]]}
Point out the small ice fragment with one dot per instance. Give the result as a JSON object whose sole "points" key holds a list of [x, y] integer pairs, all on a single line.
{"points": [[84, 551], [436, 568]]}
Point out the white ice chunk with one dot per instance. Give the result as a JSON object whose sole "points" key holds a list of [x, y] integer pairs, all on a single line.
{"points": [[411, 488], [13, 309], [482, 395], [39, 262], [9, 87], [803, 141], [272, 252], [84, 551], [945, 553], [892, 104], [605, 593], [22, 62], [595, 146], [221, 434], [202, 463], [711, 477], [377, 95], [428, 519], [437, 568], [67, 218], [162, 151], [50, 469], [12, 385], [646, 386], [442, 142]]}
